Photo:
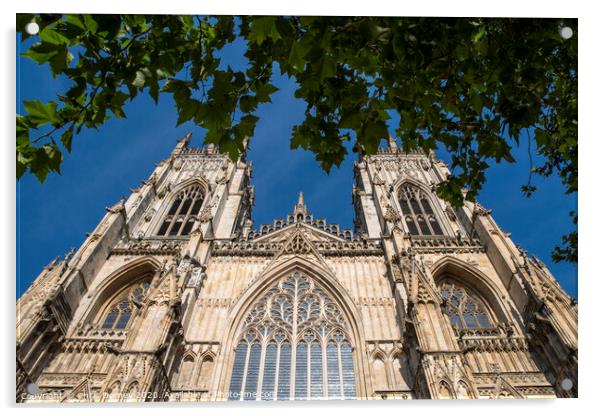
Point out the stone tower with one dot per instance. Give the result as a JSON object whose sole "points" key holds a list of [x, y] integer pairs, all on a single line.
{"points": [[176, 296]]}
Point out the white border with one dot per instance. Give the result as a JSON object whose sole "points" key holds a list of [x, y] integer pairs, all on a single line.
{"points": [[590, 147]]}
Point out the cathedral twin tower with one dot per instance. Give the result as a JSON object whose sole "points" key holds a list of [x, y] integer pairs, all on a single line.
{"points": [[175, 296]]}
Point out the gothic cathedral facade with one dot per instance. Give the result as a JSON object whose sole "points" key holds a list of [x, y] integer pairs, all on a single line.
{"points": [[176, 296]]}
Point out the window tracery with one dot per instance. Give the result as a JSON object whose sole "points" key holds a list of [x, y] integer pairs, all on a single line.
{"points": [[465, 310], [417, 212], [120, 312], [183, 212], [294, 345]]}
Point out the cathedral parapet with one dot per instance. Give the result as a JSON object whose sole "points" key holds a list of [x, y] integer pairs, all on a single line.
{"points": [[329, 248], [443, 244], [203, 150], [301, 215], [97, 332], [500, 343], [321, 224], [148, 246]]}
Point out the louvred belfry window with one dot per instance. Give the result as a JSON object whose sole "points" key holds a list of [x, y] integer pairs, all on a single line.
{"points": [[120, 311], [464, 309], [182, 213], [294, 345], [418, 212]]}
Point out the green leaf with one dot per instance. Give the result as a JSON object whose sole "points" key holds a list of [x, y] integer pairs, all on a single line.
{"points": [[116, 104], [262, 28], [479, 35], [373, 133], [245, 127], [22, 128], [54, 157], [40, 164], [90, 23], [41, 114], [508, 157], [299, 138], [67, 138], [187, 20], [248, 103], [109, 25], [187, 110], [75, 20], [295, 57], [21, 166], [264, 91], [50, 35], [41, 52], [60, 61], [351, 120], [329, 67]]}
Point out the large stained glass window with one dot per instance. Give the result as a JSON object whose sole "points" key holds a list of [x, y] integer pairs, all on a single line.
{"points": [[464, 309], [295, 345], [120, 311], [418, 212]]}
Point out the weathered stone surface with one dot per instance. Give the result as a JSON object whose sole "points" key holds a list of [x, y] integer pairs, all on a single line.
{"points": [[185, 300]]}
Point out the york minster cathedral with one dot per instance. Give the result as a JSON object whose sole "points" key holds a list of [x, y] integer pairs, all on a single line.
{"points": [[177, 296]]}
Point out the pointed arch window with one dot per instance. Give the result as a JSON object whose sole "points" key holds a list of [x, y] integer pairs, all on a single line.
{"points": [[465, 309], [418, 212], [120, 310], [183, 212], [295, 345]]}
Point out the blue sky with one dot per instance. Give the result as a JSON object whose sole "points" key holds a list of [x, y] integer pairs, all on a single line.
{"points": [[106, 163]]}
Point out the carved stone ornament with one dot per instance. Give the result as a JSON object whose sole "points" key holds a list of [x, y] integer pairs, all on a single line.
{"points": [[297, 245], [378, 180], [177, 164], [397, 275], [197, 276], [450, 213], [120, 206], [391, 214], [205, 215], [149, 215], [224, 176], [164, 191], [481, 210], [183, 268]]}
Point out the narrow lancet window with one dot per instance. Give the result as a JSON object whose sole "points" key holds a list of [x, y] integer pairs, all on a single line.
{"points": [[183, 213], [418, 213]]}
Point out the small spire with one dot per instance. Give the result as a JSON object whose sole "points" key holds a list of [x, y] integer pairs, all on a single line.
{"points": [[300, 208], [392, 143], [182, 143]]}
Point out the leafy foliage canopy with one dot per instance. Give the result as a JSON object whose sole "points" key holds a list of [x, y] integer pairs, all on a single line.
{"points": [[474, 87]]}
